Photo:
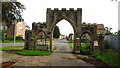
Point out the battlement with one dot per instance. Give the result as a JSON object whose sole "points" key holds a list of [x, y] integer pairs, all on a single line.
{"points": [[38, 25], [64, 9], [88, 24]]}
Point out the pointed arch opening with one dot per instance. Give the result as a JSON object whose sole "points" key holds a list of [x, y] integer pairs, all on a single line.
{"points": [[66, 28], [40, 41], [86, 42]]}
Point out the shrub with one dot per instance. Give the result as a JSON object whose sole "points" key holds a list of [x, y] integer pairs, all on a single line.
{"points": [[19, 38], [5, 41], [85, 48], [106, 44], [10, 38]]}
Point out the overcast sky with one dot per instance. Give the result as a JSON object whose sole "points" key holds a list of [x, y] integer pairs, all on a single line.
{"points": [[94, 11]]}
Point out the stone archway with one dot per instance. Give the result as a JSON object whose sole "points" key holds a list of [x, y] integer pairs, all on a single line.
{"points": [[74, 17], [38, 40], [91, 39]]}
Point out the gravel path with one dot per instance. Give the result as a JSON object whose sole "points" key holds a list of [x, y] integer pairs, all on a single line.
{"points": [[60, 57]]}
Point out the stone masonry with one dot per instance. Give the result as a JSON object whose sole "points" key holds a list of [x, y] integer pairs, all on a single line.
{"points": [[74, 17]]}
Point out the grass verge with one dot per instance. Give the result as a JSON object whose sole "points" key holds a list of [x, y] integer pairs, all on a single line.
{"points": [[12, 49], [8, 48], [71, 44], [19, 50], [41, 47], [54, 47], [84, 47], [7, 41], [109, 57], [34, 52]]}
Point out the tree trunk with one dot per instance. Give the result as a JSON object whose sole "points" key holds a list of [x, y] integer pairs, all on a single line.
{"points": [[10, 30]]}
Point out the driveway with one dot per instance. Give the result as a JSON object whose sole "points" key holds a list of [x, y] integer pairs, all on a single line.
{"points": [[62, 56], [62, 46]]}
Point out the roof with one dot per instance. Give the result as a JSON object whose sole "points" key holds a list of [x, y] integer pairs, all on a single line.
{"points": [[26, 25], [40, 33], [100, 27]]}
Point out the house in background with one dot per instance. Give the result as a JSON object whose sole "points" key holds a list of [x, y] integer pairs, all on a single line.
{"points": [[100, 29], [62, 37], [3, 30], [21, 27], [3, 26]]}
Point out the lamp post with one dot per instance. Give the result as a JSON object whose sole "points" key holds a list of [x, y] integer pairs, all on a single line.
{"points": [[15, 21]]}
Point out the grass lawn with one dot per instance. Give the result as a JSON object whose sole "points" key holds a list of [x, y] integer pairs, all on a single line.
{"points": [[19, 50], [43, 47], [8, 48], [34, 52], [83, 46], [7, 41], [110, 57], [12, 49]]}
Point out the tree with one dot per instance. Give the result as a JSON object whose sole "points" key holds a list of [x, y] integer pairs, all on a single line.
{"points": [[71, 34], [10, 10], [70, 37], [108, 31], [117, 33], [56, 33]]}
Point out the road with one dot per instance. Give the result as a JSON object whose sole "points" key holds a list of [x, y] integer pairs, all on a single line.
{"points": [[11, 44], [62, 56], [62, 46]]}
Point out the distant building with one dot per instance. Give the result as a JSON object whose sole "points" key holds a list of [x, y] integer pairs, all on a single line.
{"points": [[100, 29], [21, 27], [3, 26], [62, 36]]}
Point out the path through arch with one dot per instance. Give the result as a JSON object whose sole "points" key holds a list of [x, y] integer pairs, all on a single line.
{"points": [[62, 44]]}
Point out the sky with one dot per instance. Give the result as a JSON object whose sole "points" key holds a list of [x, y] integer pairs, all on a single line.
{"points": [[93, 11]]}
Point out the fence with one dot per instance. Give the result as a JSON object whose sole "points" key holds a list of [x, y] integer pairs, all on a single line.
{"points": [[113, 40]]}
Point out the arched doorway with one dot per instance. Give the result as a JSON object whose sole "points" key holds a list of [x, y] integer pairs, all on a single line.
{"points": [[40, 40], [57, 21], [86, 42]]}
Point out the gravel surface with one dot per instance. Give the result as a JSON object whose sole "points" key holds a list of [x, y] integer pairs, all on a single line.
{"points": [[62, 56]]}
